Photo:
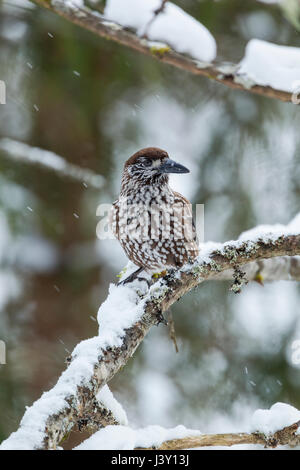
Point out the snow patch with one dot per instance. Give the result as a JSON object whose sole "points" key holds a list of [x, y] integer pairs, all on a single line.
{"points": [[106, 398], [114, 317], [272, 232], [277, 417], [173, 25], [126, 438], [269, 64], [263, 233], [31, 432], [121, 309], [294, 225]]}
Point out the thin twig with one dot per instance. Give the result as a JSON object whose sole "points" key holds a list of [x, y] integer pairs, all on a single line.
{"points": [[172, 332], [155, 14]]}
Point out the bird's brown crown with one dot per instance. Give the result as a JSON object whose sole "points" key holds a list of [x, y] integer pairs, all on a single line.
{"points": [[152, 153]]}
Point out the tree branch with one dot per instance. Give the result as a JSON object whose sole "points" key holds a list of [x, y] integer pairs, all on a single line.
{"points": [[209, 440], [285, 436], [225, 73], [20, 151], [95, 361], [285, 268]]}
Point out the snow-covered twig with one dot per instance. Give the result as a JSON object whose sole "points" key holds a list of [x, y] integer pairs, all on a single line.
{"points": [[211, 440], [34, 155], [286, 436], [277, 426], [41, 428], [284, 268], [95, 361], [226, 73], [156, 12]]}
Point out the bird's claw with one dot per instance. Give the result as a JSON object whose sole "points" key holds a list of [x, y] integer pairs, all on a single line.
{"points": [[129, 279]]}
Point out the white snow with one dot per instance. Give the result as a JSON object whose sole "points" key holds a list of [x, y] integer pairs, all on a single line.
{"points": [[271, 65], [277, 417], [126, 438], [23, 152], [173, 25], [294, 225], [31, 431], [30, 434], [113, 321], [106, 398], [121, 310], [73, 3], [115, 315], [272, 232], [264, 233]]}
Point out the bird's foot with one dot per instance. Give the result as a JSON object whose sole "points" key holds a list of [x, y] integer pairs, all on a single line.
{"points": [[130, 278], [135, 276]]}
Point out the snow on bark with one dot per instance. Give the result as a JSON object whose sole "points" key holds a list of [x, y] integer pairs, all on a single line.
{"points": [[106, 398], [279, 416], [126, 438], [172, 25], [269, 64], [111, 323]]}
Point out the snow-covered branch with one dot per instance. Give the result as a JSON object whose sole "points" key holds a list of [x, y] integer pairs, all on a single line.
{"points": [[51, 418], [20, 151], [286, 436], [177, 39], [95, 361], [277, 426], [284, 268]]}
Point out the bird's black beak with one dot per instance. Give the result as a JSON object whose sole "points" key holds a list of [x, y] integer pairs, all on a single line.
{"points": [[169, 166]]}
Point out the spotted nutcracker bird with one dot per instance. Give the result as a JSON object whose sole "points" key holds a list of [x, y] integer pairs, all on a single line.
{"points": [[153, 223]]}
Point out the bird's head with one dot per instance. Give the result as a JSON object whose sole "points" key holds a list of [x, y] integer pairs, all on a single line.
{"points": [[152, 165]]}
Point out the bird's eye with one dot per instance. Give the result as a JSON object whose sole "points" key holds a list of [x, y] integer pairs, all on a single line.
{"points": [[147, 162]]}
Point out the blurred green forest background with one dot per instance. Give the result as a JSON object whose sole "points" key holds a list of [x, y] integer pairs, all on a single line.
{"points": [[95, 103]]}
